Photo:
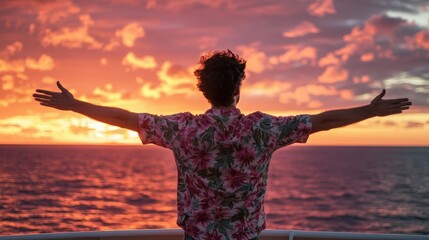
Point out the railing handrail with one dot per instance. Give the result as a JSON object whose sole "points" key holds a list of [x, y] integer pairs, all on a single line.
{"points": [[178, 234]]}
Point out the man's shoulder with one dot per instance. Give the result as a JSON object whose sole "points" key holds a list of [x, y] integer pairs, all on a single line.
{"points": [[259, 115]]}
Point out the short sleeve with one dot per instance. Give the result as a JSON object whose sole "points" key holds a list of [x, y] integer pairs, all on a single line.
{"points": [[161, 130], [293, 129]]}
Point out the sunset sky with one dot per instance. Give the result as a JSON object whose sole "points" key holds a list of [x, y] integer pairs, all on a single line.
{"points": [[302, 57]]}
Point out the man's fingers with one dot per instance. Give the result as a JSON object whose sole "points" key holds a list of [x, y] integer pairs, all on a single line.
{"points": [[397, 100], [41, 96], [401, 104], [43, 100], [63, 89], [379, 97], [47, 105], [46, 92]]}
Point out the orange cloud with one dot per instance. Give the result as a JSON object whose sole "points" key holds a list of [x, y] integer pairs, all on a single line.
{"points": [[7, 81], [130, 33], [72, 37], [44, 63], [304, 55], [12, 66], [333, 74], [179, 5], [346, 94], [52, 11], [302, 29], [329, 59], [357, 40], [321, 8], [267, 88], [22, 76], [146, 62], [363, 79], [14, 48], [367, 57], [302, 94], [257, 60], [420, 40], [49, 80], [103, 61], [107, 93], [172, 81]]}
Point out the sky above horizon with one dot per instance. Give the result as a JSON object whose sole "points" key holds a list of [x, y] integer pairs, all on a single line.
{"points": [[302, 57]]}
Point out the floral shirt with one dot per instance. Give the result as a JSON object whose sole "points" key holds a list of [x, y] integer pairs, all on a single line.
{"points": [[222, 159]]}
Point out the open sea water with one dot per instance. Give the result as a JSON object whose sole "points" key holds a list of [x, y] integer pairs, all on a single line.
{"points": [[81, 188]]}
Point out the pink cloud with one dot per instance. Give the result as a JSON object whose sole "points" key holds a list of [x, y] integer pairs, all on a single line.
{"points": [[346, 94], [14, 48], [47, 12], [321, 8], [367, 57], [362, 39], [302, 29], [419, 40], [207, 42], [333, 74], [304, 55], [130, 33], [53, 11], [329, 59], [362, 79]]}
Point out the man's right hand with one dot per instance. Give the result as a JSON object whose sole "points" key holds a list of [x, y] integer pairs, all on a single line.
{"points": [[384, 107]]}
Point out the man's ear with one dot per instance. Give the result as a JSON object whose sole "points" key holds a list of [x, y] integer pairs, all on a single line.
{"points": [[237, 91]]}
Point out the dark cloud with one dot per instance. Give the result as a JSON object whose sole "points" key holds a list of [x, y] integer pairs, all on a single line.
{"points": [[412, 124]]}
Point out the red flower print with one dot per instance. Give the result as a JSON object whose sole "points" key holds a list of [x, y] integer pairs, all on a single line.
{"points": [[234, 178], [245, 156]]}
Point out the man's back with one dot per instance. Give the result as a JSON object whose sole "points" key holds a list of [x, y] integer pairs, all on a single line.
{"points": [[222, 158]]}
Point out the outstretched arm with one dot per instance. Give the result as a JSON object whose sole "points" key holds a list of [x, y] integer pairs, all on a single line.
{"points": [[64, 100], [378, 107]]}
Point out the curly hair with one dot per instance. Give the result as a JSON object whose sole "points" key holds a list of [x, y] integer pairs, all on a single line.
{"points": [[219, 76]]}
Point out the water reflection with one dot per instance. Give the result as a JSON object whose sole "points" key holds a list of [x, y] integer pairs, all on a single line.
{"points": [[81, 188]]}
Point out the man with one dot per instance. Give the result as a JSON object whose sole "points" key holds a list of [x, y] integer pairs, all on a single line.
{"points": [[222, 156]]}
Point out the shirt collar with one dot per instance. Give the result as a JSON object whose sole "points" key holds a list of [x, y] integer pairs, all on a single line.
{"points": [[223, 111]]}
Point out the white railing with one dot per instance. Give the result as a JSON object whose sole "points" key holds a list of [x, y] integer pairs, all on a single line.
{"points": [[177, 234]]}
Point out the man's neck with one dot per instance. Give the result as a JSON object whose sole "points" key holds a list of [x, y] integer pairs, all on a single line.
{"points": [[224, 107]]}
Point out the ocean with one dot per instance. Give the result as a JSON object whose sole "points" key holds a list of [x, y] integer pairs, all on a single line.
{"points": [[46, 188]]}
